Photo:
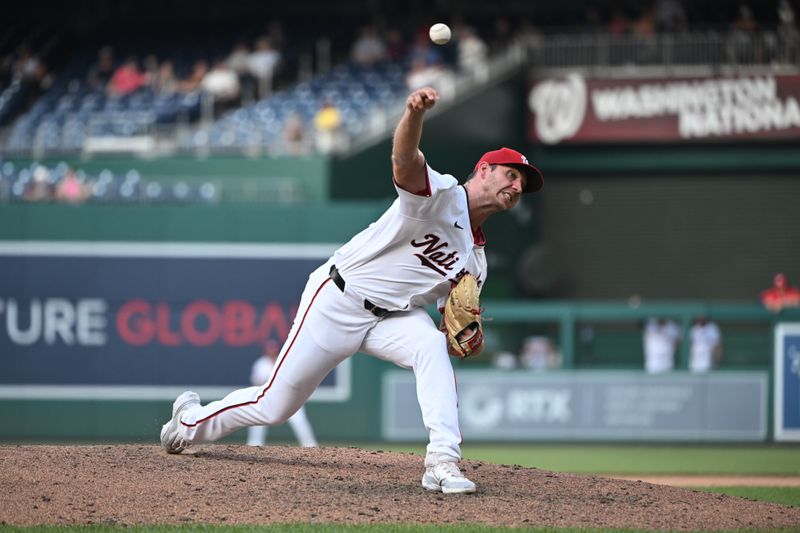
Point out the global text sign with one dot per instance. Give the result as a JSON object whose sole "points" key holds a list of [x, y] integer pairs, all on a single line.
{"points": [[575, 109], [143, 320]]}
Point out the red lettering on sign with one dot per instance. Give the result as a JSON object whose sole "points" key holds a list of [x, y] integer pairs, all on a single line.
{"points": [[134, 323], [189, 318], [240, 322], [273, 318], [165, 335], [202, 323]]}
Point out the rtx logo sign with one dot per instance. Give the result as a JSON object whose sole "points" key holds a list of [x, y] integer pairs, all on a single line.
{"points": [[487, 407]]}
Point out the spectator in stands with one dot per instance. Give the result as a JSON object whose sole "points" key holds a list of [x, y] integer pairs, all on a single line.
{"points": [[426, 67], [745, 22], [591, 20], [29, 67], [501, 37], [71, 190], [32, 73], [294, 138], [504, 360], [396, 47], [151, 66], [531, 39], [328, 125], [369, 48], [528, 35], [100, 73], [670, 16], [424, 53], [619, 24], [422, 75], [661, 340], [788, 35], [6, 69], [127, 79], [39, 188], [222, 83], [472, 51], [643, 29], [781, 295], [264, 62], [644, 26], [786, 20], [539, 353], [239, 61], [743, 30], [275, 34], [436, 75], [165, 82], [194, 81], [705, 350]]}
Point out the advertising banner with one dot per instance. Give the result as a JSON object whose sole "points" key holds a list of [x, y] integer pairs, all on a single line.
{"points": [[146, 320], [587, 406], [787, 382], [576, 109]]}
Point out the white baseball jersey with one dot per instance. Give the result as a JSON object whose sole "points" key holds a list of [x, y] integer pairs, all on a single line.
{"points": [[406, 259], [659, 346], [701, 353], [409, 257]]}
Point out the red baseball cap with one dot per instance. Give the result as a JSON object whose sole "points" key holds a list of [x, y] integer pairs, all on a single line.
{"points": [[512, 158]]}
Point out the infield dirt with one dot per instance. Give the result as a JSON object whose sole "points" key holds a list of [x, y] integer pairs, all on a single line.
{"points": [[228, 484]]}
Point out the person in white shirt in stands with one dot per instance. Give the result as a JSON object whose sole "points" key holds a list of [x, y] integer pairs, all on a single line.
{"points": [[705, 350], [264, 62], [661, 339]]}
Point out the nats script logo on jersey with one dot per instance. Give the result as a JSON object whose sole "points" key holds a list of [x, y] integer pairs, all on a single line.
{"points": [[434, 254], [463, 272]]}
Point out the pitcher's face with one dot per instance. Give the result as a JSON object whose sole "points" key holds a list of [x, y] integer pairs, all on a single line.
{"points": [[505, 185]]}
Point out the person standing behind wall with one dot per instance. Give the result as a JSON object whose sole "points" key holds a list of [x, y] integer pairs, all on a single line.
{"points": [[661, 339], [705, 351], [780, 295], [260, 373]]}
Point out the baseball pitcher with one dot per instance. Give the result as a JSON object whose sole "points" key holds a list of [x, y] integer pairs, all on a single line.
{"points": [[428, 247]]}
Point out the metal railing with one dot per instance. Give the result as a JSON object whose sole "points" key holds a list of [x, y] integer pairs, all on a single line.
{"points": [[689, 49]]}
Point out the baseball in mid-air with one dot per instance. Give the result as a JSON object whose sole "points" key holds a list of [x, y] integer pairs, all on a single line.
{"points": [[440, 33]]}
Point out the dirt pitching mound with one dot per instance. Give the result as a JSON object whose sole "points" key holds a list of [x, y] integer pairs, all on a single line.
{"points": [[221, 484]]}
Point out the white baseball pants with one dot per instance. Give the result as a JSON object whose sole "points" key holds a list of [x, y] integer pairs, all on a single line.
{"points": [[330, 326], [303, 432]]}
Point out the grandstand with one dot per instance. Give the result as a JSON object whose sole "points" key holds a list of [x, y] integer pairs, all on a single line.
{"points": [[63, 113], [57, 120]]}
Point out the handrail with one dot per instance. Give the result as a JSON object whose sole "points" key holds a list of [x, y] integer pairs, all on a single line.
{"points": [[685, 49], [567, 313]]}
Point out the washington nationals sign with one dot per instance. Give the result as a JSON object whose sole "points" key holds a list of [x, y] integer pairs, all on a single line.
{"points": [[574, 109]]}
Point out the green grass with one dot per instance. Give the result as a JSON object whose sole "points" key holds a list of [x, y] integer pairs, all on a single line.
{"points": [[633, 459], [781, 495]]}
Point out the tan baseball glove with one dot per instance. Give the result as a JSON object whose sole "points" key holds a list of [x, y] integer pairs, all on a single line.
{"points": [[462, 318]]}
